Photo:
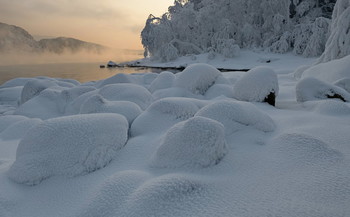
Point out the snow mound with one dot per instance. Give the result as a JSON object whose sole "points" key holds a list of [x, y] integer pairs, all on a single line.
{"points": [[330, 71], [332, 107], [97, 104], [343, 83], [33, 88], [197, 78], [163, 114], [19, 129], [6, 121], [73, 107], [304, 149], [117, 79], [309, 89], [44, 106], [236, 116], [72, 93], [257, 85], [164, 80], [196, 143], [174, 92], [70, 146], [167, 195], [127, 92], [110, 195], [218, 90], [10, 95]]}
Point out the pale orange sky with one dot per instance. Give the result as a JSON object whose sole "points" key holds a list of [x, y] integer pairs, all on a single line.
{"points": [[114, 23]]}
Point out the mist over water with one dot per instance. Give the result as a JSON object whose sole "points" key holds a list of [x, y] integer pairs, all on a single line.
{"points": [[82, 66]]}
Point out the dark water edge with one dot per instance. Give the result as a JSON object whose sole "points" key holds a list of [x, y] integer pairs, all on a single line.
{"points": [[83, 72]]}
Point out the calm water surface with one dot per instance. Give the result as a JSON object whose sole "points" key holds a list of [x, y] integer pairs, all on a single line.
{"points": [[82, 72]]}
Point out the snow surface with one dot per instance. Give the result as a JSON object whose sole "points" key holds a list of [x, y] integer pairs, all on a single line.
{"points": [[189, 151]]}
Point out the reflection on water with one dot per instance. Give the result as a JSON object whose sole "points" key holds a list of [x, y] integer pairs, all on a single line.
{"points": [[82, 72]]}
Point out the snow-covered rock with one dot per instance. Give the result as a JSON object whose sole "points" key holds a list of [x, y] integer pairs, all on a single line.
{"points": [[10, 95], [164, 80], [304, 150], [197, 78], [44, 106], [343, 83], [237, 116], [259, 84], [310, 88], [163, 114], [33, 88], [330, 71], [97, 104], [218, 90], [117, 79], [7, 120], [127, 92], [70, 146], [332, 107], [174, 92], [196, 143], [19, 129]]}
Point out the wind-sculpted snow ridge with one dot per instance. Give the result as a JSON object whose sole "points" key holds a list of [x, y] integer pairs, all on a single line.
{"points": [[97, 104], [164, 113], [237, 116], [311, 88], [69, 146], [195, 143], [197, 78], [259, 84]]}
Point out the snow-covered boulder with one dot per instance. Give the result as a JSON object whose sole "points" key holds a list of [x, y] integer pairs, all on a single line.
{"points": [[173, 194], [163, 114], [303, 150], [70, 146], [164, 80], [196, 143], [73, 107], [331, 71], [174, 92], [7, 120], [338, 43], [218, 90], [33, 88], [332, 107], [117, 79], [197, 78], [10, 95], [97, 104], [110, 196], [343, 83], [237, 116], [259, 84], [19, 129], [44, 106], [127, 92], [309, 89]]}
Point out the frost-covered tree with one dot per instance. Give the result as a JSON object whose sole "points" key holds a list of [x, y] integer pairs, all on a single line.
{"points": [[225, 26], [338, 44]]}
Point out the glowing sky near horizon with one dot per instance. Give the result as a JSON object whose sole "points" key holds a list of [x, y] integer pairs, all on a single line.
{"points": [[114, 23]]}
